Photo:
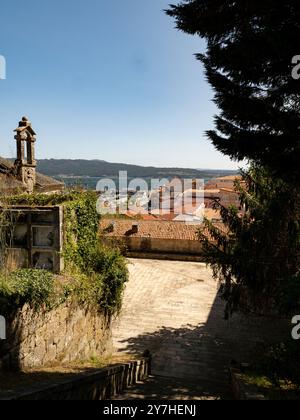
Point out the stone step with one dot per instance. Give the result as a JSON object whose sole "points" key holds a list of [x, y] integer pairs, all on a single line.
{"points": [[166, 388]]}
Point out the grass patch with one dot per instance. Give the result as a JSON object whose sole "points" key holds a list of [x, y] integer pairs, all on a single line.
{"points": [[276, 374], [283, 390]]}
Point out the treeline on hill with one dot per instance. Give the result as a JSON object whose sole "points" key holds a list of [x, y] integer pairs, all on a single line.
{"points": [[99, 168]]}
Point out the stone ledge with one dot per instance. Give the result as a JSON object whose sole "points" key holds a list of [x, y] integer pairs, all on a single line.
{"points": [[99, 385], [67, 333], [164, 256]]}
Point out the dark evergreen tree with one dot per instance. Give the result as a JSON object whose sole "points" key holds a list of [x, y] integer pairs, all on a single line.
{"points": [[256, 253], [250, 47], [248, 62]]}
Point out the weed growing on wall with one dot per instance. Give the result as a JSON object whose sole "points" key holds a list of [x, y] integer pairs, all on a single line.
{"points": [[7, 223]]}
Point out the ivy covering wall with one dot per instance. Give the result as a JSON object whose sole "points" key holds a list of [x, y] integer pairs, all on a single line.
{"points": [[95, 274]]}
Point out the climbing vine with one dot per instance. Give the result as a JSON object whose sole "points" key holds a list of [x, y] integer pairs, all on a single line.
{"points": [[7, 224], [96, 273]]}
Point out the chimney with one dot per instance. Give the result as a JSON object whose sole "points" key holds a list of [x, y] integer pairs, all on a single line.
{"points": [[135, 228], [25, 164], [160, 199], [111, 227], [172, 200], [194, 193]]}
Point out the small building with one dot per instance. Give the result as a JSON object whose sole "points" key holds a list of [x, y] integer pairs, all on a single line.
{"points": [[21, 176], [155, 239], [223, 182]]}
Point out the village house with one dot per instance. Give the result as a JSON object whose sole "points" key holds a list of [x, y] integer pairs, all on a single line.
{"points": [[223, 191], [171, 230], [159, 239], [190, 205], [223, 182]]}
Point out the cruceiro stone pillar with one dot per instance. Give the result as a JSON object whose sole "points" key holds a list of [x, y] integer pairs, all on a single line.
{"points": [[25, 164]]}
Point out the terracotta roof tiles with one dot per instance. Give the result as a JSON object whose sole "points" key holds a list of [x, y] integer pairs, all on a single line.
{"points": [[150, 229]]}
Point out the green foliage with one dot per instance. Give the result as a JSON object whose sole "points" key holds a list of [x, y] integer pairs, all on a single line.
{"points": [[112, 266], [34, 287], [291, 295], [7, 223], [97, 169], [97, 273], [256, 255], [248, 62], [250, 46], [54, 199], [281, 362], [81, 232], [103, 267], [103, 284], [262, 384]]}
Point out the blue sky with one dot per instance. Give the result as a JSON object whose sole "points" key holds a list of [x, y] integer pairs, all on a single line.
{"points": [[109, 80]]}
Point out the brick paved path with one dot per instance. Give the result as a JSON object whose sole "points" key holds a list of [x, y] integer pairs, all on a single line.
{"points": [[171, 308]]}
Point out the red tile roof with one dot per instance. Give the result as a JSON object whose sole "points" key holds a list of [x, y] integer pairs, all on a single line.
{"points": [[9, 183], [151, 229]]}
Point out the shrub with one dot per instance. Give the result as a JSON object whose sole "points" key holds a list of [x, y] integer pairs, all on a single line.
{"points": [[282, 362], [97, 273], [112, 267], [35, 287]]}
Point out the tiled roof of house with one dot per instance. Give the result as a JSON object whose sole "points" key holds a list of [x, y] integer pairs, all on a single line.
{"points": [[212, 214], [150, 229], [211, 191], [228, 178], [8, 182], [229, 191]]}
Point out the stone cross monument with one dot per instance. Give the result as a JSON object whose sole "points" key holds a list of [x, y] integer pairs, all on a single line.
{"points": [[25, 164]]}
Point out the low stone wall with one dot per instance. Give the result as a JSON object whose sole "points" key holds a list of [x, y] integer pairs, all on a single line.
{"points": [[185, 250], [41, 339], [99, 385], [165, 256]]}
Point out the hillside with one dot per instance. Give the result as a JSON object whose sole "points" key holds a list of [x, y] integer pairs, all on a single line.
{"points": [[99, 168]]}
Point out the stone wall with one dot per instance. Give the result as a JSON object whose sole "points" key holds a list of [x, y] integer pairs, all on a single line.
{"points": [[41, 339], [98, 385], [187, 249]]}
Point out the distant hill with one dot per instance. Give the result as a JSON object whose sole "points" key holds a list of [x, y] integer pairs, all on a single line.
{"points": [[99, 168]]}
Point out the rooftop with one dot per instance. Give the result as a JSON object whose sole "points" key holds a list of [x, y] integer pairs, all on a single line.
{"points": [[10, 183], [227, 178], [151, 229]]}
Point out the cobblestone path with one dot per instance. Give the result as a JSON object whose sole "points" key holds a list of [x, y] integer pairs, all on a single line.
{"points": [[173, 310]]}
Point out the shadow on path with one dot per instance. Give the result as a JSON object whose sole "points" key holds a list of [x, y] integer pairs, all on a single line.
{"points": [[192, 362]]}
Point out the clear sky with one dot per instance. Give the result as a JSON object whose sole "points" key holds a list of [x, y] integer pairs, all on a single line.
{"points": [[109, 80]]}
